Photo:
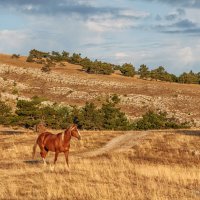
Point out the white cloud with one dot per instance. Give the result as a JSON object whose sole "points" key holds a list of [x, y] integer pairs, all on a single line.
{"points": [[108, 23], [186, 56], [136, 14], [13, 40], [120, 55]]}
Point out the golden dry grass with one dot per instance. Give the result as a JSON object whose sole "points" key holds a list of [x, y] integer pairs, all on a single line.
{"points": [[163, 165]]}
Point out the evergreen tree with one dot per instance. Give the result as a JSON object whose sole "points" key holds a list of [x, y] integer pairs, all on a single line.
{"points": [[128, 70], [5, 113], [90, 117], [144, 71]]}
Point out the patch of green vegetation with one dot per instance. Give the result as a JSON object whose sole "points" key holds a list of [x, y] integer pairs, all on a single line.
{"points": [[153, 120], [98, 67], [15, 56], [89, 117]]}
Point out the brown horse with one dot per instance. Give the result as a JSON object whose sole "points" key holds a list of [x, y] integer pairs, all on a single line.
{"points": [[56, 142]]}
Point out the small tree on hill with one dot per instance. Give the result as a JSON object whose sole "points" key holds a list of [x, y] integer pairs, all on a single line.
{"points": [[5, 113], [15, 56], [190, 77], [90, 117], [128, 70], [144, 71], [113, 118]]}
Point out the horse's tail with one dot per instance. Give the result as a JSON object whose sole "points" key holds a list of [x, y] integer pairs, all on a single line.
{"points": [[34, 149]]}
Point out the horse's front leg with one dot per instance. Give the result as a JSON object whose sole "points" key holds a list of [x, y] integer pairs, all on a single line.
{"points": [[66, 158]]}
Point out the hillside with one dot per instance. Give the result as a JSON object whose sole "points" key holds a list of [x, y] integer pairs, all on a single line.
{"points": [[68, 84]]}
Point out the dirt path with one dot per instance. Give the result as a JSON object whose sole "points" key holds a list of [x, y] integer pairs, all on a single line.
{"points": [[120, 143]]}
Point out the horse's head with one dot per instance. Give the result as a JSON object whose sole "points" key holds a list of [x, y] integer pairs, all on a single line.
{"points": [[75, 132]]}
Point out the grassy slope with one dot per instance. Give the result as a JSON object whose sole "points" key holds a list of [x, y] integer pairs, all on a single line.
{"points": [[164, 165], [70, 85]]}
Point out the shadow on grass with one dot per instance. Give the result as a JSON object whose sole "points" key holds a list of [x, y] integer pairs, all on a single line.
{"points": [[189, 132], [11, 132], [34, 162]]}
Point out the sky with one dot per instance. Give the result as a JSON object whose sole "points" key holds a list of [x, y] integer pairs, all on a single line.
{"points": [[152, 32]]}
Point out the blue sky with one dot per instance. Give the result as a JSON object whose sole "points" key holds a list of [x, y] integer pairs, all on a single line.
{"points": [[151, 32]]}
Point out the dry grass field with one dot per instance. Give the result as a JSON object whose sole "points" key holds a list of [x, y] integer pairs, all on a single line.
{"points": [[104, 165], [159, 165]]}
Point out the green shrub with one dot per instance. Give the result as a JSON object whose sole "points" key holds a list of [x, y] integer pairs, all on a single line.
{"points": [[90, 118], [28, 112], [107, 117], [30, 59], [128, 70], [5, 113], [152, 120], [15, 56], [97, 67], [189, 78], [144, 71]]}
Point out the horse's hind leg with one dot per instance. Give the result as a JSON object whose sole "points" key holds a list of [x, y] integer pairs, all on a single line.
{"points": [[56, 157]]}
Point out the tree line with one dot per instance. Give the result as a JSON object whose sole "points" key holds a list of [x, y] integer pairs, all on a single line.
{"points": [[90, 117], [49, 60]]}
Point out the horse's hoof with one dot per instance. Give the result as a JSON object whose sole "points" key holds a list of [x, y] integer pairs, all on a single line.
{"points": [[52, 168]]}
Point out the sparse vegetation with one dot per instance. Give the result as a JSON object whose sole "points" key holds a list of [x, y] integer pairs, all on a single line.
{"points": [[89, 117], [5, 113], [144, 72], [99, 67], [16, 56], [128, 70], [153, 120], [190, 78]]}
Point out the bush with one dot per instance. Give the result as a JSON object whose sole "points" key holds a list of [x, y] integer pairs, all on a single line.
{"points": [[56, 117], [128, 70], [144, 71], [152, 120], [15, 56], [5, 113], [28, 112], [97, 67], [90, 118], [189, 78], [46, 68], [30, 59]]}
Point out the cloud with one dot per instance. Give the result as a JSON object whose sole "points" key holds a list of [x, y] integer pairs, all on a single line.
{"points": [[184, 26], [13, 39], [120, 55], [82, 8], [182, 3], [133, 14], [109, 23], [54, 7], [96, 18], [178, 14], [186, 55]]}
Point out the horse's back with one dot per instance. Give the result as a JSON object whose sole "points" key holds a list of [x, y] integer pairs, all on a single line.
{"points": [[42, 137], [49, 140]]}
